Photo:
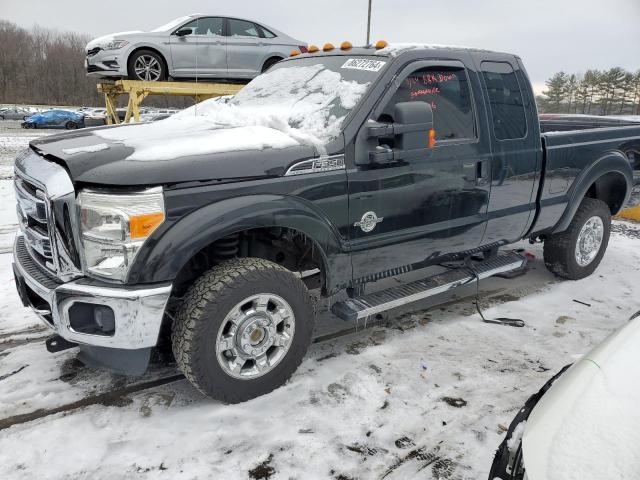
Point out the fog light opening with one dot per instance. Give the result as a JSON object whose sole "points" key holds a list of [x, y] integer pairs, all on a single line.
{"points": [[92, 319]]}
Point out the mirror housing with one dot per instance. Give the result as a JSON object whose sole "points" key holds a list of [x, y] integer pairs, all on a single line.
{"points": [[184, 32], [417, 120], [412, 131]]}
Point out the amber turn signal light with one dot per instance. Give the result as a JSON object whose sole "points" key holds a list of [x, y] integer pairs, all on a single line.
{"points": [[141, 226], [345, 45], [432, 138], [328, 46], [381, 44]]}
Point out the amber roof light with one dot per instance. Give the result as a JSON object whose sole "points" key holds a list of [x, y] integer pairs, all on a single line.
{"points": [[313, 48], [328, 46], [381, 44], [345, 45]]}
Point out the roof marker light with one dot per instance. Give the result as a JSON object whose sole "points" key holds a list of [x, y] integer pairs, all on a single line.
{"points": [[345, 45], [313, 49], [381, 44], [294, 53], [328, 46]]}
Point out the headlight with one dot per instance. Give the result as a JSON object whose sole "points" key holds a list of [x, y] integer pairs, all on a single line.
{"points": [[114, 227], [116, 44]]}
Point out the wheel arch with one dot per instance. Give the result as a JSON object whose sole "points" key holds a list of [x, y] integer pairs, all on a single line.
{"points": [[154, 50], [270, 57], [174, 245], [609, 179]]}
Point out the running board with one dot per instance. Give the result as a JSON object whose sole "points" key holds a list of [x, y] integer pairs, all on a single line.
{"points": [[361, 307]]}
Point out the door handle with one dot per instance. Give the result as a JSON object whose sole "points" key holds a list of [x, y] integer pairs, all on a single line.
{"points": [[475, 171]]}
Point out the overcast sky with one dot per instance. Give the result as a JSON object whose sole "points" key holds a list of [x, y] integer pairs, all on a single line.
{"points": [[549, 35]]}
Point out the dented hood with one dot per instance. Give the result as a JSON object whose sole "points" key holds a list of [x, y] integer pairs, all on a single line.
{"points": [[94, 159]]}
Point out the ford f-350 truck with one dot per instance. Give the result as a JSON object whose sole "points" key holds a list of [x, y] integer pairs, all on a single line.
{"points": [[354, 163]]}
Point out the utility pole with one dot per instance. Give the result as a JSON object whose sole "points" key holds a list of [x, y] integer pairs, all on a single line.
{"points": [[369, 23]]}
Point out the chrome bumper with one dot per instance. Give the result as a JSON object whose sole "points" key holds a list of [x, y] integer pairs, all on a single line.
{"points": [[138, 309]]}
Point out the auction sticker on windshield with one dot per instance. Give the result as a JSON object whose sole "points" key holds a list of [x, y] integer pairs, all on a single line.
{"points": [[363, 64]]}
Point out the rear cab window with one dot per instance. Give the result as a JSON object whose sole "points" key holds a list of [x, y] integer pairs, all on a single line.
{"points": [[505, 100]]}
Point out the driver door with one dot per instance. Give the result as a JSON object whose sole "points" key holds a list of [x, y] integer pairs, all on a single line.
{"points": [[203, 52], [427, 206]]}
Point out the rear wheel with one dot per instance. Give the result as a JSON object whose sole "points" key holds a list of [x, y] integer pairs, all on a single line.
{"points": [[147, 65], [577, 252], [70, 125], [243, 329]]}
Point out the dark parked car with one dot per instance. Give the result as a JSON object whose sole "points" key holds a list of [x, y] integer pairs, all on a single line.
{"points": [[55, 119], [355, 163]]}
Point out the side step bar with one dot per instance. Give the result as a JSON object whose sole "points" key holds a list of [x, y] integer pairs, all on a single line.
{"points": [[361, 307]]}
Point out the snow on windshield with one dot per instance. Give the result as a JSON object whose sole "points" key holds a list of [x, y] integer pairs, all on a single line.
{"points": [[288, 106]]}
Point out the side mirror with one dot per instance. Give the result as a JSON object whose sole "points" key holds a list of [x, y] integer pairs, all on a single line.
{"points": [[184, 31], [417, 120], [412, 131]]}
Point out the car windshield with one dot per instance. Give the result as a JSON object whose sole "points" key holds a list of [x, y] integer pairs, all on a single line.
{"points": [[172, 24], [311, 95]]}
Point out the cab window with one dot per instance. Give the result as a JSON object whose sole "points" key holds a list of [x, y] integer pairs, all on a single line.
{"points": [[446, 89], [266, 33], [242, 28], [505, 99], [208, 26]]}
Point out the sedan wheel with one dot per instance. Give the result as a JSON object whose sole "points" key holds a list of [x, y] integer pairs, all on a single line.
{"points": [[147, 65]]}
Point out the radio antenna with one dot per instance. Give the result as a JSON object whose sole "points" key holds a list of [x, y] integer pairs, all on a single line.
{"points": [[195, 110], [369, 23]]}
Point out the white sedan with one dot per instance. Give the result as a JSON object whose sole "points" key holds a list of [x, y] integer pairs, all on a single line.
{"points": [[585, 423]]}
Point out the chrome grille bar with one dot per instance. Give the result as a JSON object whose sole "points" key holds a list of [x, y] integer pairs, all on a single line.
{"points": [[32, 213]]}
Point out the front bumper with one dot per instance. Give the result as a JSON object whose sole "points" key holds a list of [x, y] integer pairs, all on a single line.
{"points": [[107, 63], [138, 310]]}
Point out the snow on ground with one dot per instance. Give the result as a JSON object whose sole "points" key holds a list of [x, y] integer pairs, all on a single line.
{"points": [[14, 138], [426, 395]]}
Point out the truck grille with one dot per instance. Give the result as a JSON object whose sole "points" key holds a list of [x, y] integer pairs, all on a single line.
{"points": [[33, 216]]}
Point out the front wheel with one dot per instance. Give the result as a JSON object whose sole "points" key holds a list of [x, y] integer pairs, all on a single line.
{"points": [[243, 329], [71, 125], [146, 65], [577, 252]]}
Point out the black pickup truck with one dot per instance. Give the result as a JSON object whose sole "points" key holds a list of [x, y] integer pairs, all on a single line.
{"points": [[332, 170]]}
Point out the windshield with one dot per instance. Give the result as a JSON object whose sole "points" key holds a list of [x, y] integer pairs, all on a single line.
{"points": [[172, 24], [298, 102], [312, 95]]}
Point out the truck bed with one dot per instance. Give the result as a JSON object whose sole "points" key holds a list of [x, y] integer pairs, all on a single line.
{"points": [[571, 151], [567, 122]]}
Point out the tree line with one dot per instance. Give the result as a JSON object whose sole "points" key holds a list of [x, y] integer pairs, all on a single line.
{"points": [[43, 66], [596, 92], [40, 66]]}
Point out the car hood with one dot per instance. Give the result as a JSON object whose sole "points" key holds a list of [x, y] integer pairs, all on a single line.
{"points": [[588, 422], [234, 153], [100, 41]]}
